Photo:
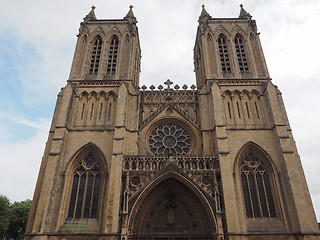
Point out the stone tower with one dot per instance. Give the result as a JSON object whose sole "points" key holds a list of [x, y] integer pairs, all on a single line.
{"points": [[213, 161]]}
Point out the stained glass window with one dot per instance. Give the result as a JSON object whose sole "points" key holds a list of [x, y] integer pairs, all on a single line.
{"points": [[85, 189], [256, 188]]}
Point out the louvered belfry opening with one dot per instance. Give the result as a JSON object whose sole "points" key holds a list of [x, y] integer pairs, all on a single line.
{"points": [[95, 57], [113, 53]]}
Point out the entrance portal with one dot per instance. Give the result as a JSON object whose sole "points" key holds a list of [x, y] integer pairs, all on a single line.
{"points": [[172, 210]]}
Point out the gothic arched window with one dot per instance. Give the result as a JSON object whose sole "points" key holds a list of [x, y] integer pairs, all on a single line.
{"points": [[223, 52], [241, 56], [113, 53], [257, 187], [95, 57], [85, 188]]}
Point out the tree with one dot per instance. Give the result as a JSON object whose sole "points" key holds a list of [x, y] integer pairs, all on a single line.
{"points": [[18, 219], [4, 215]]}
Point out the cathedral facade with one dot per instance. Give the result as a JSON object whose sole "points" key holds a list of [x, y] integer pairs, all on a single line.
{"points": [[215, 160]]}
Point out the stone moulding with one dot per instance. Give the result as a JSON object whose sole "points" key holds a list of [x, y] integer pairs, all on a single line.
{"points": [[254, 82], [97, 83]]}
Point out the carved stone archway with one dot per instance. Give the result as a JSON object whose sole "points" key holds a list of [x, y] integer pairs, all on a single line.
{"points": [[171, 210]]}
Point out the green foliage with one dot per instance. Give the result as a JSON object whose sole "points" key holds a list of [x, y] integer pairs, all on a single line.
{"points": [[19, 212], [13, 217], [4, 215]]}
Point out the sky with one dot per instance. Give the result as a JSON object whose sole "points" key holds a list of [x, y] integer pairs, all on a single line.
{"points": [[37, 42]]}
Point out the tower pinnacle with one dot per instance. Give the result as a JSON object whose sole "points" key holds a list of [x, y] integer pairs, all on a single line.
{"points": [[90, 16], [203, 19], [244, 13], [204, 14], [130, 16]]}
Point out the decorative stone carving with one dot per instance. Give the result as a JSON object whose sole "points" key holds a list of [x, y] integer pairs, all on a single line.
{"points": [[154, 102], [142, 169]]}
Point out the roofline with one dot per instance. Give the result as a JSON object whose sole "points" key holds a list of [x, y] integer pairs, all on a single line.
{"points": [[233, 19], [108, 20]]}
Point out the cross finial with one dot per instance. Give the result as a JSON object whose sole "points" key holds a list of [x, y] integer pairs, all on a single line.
{"points": [[241, 5], [168, 83], [93, 7], [130, 6]]}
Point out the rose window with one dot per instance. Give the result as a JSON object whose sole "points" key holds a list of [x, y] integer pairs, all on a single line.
{"points": [[169, 138]]}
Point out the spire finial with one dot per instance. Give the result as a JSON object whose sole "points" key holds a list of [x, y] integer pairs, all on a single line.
{"points": [[93, 7], [130, 7], [168, 83]]}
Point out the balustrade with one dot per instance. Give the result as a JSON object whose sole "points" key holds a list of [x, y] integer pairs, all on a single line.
{"points": [[192, 163]]}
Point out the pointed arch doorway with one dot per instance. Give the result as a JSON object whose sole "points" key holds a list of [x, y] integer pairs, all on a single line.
{"points": [[171, 208]]}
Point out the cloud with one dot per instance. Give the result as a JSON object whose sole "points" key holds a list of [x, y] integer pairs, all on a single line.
{"points": [[20, 163], [19, 120], [302, 104]]}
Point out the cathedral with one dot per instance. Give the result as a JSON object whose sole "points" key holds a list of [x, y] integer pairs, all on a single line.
{"points": [[212, 161]]}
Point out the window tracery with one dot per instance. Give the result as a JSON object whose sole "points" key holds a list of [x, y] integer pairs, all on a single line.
{"points": [[113, 53], [257, 188], [169, 139], [85, 189], [95, 57], [241, 56], [223, 53]]}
